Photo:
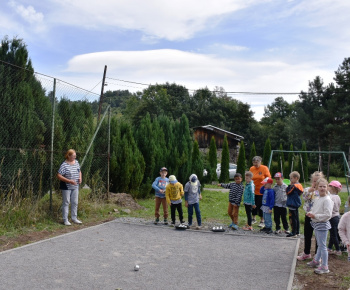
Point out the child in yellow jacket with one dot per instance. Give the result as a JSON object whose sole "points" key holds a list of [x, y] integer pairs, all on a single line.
{"points": [[174, 192]]}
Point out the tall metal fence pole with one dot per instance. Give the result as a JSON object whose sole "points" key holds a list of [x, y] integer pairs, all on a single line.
{"points": [[52, 139]]}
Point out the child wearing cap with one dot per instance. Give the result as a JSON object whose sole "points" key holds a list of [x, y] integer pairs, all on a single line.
{"points": [[159, 186], [174, 192], [294, 190], [192, 197], [344, 230], [280, 208], [268, 202], [235, 198], [334, 188]]}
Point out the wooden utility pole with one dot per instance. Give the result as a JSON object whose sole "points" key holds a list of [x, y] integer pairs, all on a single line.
{"points": [[101, 97]]}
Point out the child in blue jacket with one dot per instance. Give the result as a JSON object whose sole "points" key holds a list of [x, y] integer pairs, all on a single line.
{"points": [[268, 202], [294, 190]]}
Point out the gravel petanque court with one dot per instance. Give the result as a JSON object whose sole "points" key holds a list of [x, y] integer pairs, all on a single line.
{"points": [[104, 256]]}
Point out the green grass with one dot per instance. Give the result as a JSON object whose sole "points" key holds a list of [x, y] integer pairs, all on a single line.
{"points": [[213, 208], [30, 214]]}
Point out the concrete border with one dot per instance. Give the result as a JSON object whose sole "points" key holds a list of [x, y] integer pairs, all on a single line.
{"points": [[292, 272]]}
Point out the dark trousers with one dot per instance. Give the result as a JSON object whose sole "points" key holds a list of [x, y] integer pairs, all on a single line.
{"points": [[308, 231], [280, 213], [258, 203], [294, 221], [333, 237], [248, 211], [178, 207]]}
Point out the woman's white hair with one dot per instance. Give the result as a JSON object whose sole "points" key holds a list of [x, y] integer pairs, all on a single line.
{"points": [[257, 158]]}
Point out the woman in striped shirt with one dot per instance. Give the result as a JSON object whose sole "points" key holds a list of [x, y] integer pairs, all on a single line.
{"points": [[70, 177]]}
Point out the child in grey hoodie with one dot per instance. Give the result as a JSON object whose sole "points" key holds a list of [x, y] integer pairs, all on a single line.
{"points": [[280, 208]]}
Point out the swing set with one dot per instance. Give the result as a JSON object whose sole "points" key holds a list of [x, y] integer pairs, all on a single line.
{"points": [[346, 165]]}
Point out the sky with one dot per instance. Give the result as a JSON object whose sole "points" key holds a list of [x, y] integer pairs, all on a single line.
{"points": [[269, 46]]}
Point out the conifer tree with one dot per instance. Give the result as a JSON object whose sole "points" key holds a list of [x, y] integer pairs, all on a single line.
{"points": [[184, 148], [25, 118], [161, 147], [225, 160], [241, 163], [127, 163], [145, 140], [197, 162], [213, 161]]}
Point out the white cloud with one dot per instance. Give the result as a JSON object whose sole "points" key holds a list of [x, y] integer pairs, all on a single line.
{"points": [[29, 20], [231, 47], [171, 20], [196, 71], [27, 13]]}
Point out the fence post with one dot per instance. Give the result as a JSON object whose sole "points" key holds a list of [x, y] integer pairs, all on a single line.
{"points": [[52, 139], [109, 150]]}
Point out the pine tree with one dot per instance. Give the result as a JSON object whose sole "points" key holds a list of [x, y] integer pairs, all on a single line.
{"points": [[161, 147], [145, 140], [225, 162], [197, 162], [241, 163], [267, 152], [25, 121], [184, 148], [127, 163], [213, 160]]}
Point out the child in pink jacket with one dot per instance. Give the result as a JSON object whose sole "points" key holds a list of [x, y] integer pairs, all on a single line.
{"points": [[344, 230]]}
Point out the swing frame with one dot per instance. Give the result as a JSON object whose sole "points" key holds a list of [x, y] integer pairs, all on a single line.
{"points": [[346, 165]]}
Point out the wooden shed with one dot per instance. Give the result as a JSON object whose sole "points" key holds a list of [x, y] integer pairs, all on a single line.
{"points": [[203, 135]]}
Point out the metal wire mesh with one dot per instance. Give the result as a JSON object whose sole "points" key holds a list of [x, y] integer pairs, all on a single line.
{"points": [[40, 119]]}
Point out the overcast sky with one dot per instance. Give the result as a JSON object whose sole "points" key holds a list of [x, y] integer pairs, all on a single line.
{"points": [[240, 45]]}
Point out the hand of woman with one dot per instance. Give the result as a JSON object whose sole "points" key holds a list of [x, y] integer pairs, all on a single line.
{"points": [[71, 181]]}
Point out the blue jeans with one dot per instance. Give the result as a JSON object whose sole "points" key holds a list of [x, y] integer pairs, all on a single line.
{"points": [[268, 220], [198, 213], [321, 238]]}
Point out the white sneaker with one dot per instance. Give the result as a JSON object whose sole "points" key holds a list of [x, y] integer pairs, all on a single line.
{"points": [[261, 225], [76, 221], [67, 223]]}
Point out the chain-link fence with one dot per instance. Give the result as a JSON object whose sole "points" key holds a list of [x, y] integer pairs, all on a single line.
{"points": [[40, 119]]}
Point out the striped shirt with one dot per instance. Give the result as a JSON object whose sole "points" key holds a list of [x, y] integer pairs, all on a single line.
{"points": [[321, 226], [69, 171], [236, 192]]}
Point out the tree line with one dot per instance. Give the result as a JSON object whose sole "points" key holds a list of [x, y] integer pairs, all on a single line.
{"points": [[152, 128]]}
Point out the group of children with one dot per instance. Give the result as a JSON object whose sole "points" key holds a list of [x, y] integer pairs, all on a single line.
{"points": [[275, 199], [170, 191], [321, 205]]}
